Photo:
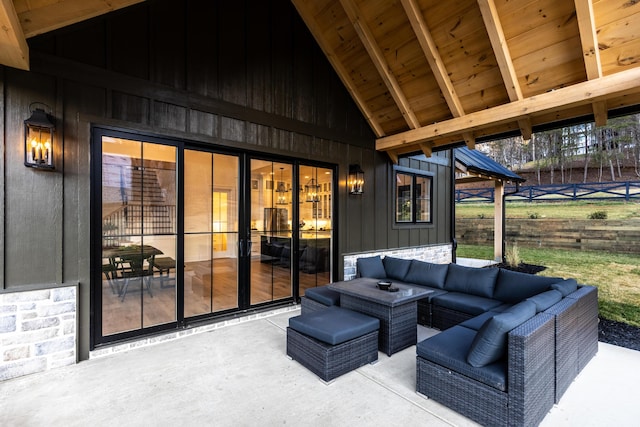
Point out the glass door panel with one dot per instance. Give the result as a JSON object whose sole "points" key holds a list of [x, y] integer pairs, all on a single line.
{"points": [[139, 235], [314, 245], [222, 266], [271, 231], [211, 212]]}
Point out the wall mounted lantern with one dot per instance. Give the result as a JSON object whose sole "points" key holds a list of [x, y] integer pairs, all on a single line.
{"points": [[356, 180], [38, 140]]}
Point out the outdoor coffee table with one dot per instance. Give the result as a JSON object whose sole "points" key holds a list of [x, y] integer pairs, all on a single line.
{"points": [[397, 311]]}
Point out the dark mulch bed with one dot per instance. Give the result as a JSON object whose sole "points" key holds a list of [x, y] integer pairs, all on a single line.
{"points": [[609, 331], [522, 267], [619, 334]]}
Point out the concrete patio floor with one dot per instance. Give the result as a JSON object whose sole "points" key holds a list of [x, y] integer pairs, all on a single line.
{"points": [[239, 376]]}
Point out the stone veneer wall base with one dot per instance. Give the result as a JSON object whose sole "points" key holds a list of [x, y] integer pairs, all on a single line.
{"points": [[437, 254], [37, 330]]}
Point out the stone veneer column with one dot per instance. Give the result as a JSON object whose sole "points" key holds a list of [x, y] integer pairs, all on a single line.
{"points": [[37, 330], [437, 254]]}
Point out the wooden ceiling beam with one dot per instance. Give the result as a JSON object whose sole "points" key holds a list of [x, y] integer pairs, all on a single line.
{"points": [[57, 14], [438, 69], [427, 148], [376, 55], [393, 156], [430, 51], [600, 115], [591, 52], [500, 48], [340, 69], [588, 38], [614, 85], [526, 129], [469, 140], [503, 57], [14, 50]]}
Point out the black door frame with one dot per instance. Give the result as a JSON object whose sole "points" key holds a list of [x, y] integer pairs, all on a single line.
{"points": [[244, 230]]}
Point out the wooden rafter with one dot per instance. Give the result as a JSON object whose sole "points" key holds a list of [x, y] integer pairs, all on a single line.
{"points": [[430, 51], [438, 69], [41, 17], [503, 57], [567, 97], [427, 148], [393, 156], [14, 50], [329, 52], [376, 55], [590, 52], [588, 38]]}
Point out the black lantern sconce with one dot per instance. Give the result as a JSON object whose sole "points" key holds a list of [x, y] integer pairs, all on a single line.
{"points": [[356, 180], [38, 140]]}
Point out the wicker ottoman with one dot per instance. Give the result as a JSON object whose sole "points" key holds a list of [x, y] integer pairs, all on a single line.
{"points": [[333, 341], [319, 298]]}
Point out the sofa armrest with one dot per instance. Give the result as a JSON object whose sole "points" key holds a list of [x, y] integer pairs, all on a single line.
{"points": [[531, 365], [587, 323]]}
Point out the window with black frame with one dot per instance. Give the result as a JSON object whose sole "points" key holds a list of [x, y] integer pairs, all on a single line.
{"points": [[412, 198]]}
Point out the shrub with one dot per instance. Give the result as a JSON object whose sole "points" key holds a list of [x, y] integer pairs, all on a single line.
{"points": [[533, 215], [598, 215]]}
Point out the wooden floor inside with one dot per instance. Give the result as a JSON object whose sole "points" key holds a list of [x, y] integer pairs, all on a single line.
{"points": [[209, 287]]}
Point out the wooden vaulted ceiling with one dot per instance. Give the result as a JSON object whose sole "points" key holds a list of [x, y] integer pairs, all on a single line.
{"points": [[431, 73], [427, 74]]}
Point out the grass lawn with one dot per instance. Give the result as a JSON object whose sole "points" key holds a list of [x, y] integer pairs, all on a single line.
{"points": [[617, 276], [560, 210]]}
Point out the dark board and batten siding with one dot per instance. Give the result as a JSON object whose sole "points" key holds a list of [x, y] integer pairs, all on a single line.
{"points": [[246, 75]]}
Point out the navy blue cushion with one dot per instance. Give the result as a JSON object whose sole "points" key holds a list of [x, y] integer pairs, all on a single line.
{"points": [[501, 308], [565, 287], [323, 295], [427, 274], [476, 323], [490, 344], [396, 268], [470, 280], [449, 349], [513, 286], [334, 325], [371, 267], [545, 300], [470, 304]]}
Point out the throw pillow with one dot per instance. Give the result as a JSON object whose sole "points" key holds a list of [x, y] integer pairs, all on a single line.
{"points": [[396, 268], [566, 286], [427, 274], [470, 280], [371, 267], [490, 343]]}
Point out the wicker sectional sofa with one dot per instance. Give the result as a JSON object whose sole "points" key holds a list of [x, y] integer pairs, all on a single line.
{"points": [[511, 343]]}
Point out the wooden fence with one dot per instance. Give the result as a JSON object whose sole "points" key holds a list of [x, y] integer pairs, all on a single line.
{"points": [[625, 190], [618, 236]]}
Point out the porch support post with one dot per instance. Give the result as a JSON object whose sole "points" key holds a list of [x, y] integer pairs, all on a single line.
{"points": [[498, 221]]}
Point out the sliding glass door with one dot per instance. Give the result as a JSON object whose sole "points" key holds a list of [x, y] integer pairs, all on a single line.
{"points": [[211, 239], [189, 233], [315, 226], [271, 218], [139, 235]]}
